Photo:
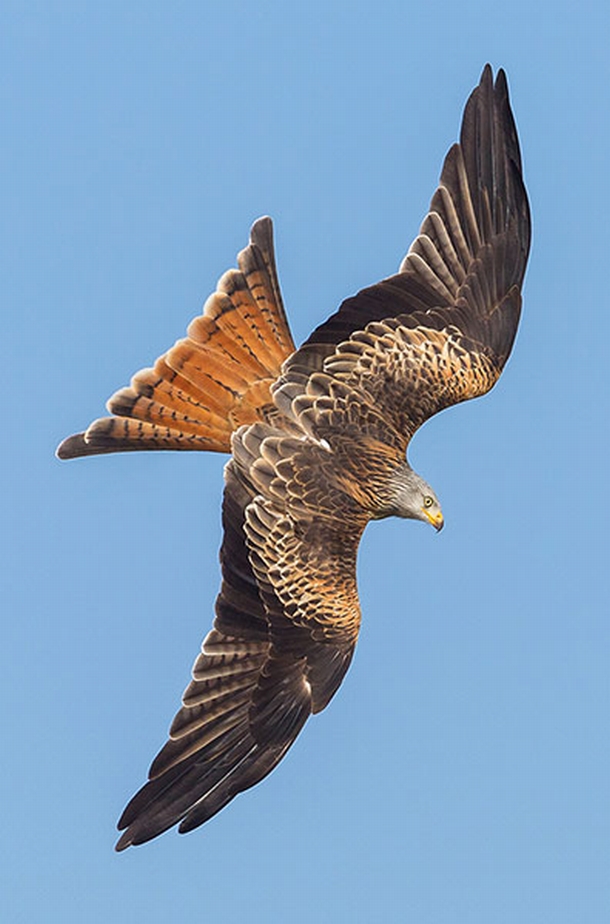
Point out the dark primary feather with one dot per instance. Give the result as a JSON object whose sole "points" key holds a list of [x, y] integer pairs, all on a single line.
{"points": [[212, 752], [314, 453], [269, 662], [447, 321]]}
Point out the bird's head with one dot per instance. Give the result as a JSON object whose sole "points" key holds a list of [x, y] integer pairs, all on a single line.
{"points": [[413, 498]]}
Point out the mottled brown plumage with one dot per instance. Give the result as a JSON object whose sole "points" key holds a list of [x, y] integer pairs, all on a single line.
{"points": [[318, 449]]}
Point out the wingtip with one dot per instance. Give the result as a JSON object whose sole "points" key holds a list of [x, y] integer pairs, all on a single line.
{"points": [[123, 842], [500, 84]]}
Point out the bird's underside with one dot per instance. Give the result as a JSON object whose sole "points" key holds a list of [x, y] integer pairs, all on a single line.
{"points": [[318, 438]]}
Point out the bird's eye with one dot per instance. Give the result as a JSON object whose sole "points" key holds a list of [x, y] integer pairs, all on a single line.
{"points": [[428, 501]]}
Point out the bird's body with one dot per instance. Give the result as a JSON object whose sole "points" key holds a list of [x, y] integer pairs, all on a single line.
{"points": [[318, 438]]}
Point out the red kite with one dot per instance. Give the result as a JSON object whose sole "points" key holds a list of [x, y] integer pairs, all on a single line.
{"points": [[318, 439]]}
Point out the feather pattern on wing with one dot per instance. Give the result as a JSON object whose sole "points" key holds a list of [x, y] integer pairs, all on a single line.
{"points": [[440, 331], [287, 619], [318, 439]]}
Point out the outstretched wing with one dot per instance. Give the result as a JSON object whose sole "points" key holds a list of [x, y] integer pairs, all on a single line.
{"points": [[440, 331], [314, 465], [215, 379], [287, 619]]}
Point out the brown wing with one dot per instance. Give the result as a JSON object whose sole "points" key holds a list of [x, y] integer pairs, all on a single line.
{"points": [[298, 495], [214, 380], [440, 331], [287, 619]]}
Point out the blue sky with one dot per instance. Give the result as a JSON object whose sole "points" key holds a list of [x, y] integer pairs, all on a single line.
{"points": [[461, 773]]}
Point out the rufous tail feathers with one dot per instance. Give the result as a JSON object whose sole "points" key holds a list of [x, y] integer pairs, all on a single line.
{"points": [[212, 381]]}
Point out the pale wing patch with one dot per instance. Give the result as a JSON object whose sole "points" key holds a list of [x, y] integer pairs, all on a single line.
{"points": [[411, 373]]}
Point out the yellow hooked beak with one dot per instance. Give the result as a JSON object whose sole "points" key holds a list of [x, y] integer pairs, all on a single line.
{"points": [[436, 519]]}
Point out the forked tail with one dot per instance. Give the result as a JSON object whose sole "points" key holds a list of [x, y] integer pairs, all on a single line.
{"points": [[212, 381]]}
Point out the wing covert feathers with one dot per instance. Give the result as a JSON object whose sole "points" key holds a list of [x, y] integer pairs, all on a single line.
{"points": [[315, 440], [212, 381], [274, 656], [440, 331]]}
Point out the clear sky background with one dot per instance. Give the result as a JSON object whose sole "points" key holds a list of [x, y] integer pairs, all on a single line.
{"points": [[461, 775]]}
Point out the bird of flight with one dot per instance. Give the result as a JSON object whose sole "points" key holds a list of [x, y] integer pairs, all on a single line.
{"points": [[318, 438]]}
